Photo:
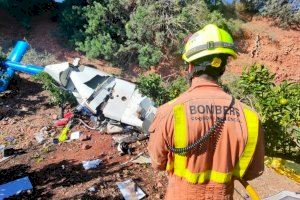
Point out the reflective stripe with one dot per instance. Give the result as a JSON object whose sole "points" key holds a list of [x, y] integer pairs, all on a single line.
{"points": [[179, 166], [202, 177], [252, 129], [180, 136]]}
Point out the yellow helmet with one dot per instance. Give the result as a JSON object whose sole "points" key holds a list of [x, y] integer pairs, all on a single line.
{"points": [[208, 41]]}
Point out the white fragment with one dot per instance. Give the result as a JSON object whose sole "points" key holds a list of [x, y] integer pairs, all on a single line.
{"points": [[75, 135], [91, 164]]}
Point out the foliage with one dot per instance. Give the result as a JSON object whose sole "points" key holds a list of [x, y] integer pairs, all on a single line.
{"points": [[161, 92], [2, 58], [176, 87], [125, 31], [285, 12], [2, 54], [40, 58], [58, 95], [152, 86], [278, 106], [97, 28], [23, 10]]}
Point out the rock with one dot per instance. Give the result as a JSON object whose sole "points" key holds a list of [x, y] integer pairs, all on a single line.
{"points": [[85, 147], [84, 137], [24, 109], [159, 184], [157, 196]]}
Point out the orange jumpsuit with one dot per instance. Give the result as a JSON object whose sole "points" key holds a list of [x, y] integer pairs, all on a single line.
{"points": [[203, 102]]}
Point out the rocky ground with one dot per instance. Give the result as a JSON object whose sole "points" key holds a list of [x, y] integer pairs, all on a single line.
{"points": [[56, 171]]}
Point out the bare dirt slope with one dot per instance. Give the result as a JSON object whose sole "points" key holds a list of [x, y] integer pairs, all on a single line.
{"points": [[276, 48], [56, 171]]}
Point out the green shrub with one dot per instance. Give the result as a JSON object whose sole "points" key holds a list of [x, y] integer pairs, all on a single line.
{"points": [[40, 58], [176, 87], [286, 13], [128, 32], [159, 91], [152, 86], [278, 106], [58, 95]]}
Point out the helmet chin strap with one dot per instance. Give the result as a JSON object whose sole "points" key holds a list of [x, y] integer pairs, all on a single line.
{"points": [[201, 67]]}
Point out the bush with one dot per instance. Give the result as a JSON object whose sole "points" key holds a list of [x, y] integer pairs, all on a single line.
{"points": [[285, 12], [40, 58], [159, 91], [125, 31], [96, 28], [278, 106], [176, 87], [152, 86], [58, 96]]}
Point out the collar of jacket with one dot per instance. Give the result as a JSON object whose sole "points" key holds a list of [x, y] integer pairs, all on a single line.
{"points": [[203, 82]]}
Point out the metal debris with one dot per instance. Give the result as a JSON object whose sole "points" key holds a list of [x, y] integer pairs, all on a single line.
{"points": [[15, 187], [286, 195], [75, 135], [91, 164], [130, 190]]}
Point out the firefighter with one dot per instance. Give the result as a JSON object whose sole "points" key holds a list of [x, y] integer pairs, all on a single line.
{"points": [[205, 139]]}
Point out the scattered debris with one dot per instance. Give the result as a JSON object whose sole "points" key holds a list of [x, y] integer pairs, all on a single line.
{"points": [[112, 129], [61, 122], [91, 164], [142, 160], [9, 139], [40, 137], [15, 187], [92, 189], [124, 148], [284, 195], [55, 141], [76, 135], [135, 157], [130, 190], [64, 133]]}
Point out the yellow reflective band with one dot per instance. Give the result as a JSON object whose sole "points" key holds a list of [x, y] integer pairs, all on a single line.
{"points": [[252, 129], [180, 135], [203, 177], [170, 166]]}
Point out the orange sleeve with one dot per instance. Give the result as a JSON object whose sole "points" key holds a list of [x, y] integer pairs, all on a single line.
{"points": [[157, 145], [256, 166]]}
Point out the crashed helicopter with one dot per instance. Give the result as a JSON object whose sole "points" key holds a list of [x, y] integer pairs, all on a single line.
{"points": [[98, 92]]}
